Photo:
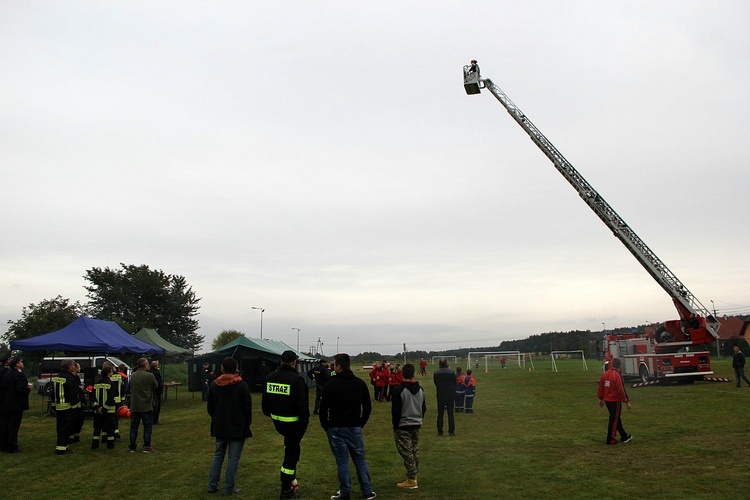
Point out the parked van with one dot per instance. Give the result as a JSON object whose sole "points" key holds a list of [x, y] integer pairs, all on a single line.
{"points": [[90, 367]]}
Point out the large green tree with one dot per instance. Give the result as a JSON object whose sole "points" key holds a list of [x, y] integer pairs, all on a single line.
{"points": [[225, 337], [136, 296], [47, 316]]}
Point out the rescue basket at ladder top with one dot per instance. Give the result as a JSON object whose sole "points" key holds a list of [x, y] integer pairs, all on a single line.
{"points": [[471, 79]]}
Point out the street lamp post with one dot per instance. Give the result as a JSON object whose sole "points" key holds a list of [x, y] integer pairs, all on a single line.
{"points": [[604, 328], [261, 320], [337, 345], [297, 337]]}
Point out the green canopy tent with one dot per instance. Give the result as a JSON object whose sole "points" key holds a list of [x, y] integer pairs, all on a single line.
{"points": [[151, 336], [256, 359]]}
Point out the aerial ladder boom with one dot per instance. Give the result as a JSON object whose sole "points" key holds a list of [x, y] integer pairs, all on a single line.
{"points": [[697, 325]]}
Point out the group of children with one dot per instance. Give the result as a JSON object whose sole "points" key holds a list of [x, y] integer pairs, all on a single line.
{"points": [[466, 389], [385, 378]]}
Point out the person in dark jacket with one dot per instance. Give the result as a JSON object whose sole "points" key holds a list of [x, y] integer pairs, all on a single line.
{"points": [[345, 408], [286, 401], [159, 391], [67, 401], [14, 393], [408, 407], [105, 407], [321, 374], [738, 363], [445, 382], [231, 410]]}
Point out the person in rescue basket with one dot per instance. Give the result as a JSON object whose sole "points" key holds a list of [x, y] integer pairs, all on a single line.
{"points": [[286, 401], [408, 407], [612, 393], [231, 410]]}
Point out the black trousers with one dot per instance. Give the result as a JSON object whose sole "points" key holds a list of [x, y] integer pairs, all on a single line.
{"points": [[615, 422], [157, 406], [293, 433], [10, 423], [67, 421], [444, 405]]}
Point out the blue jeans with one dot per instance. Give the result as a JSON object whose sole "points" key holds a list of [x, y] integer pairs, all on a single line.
{"points": [[235, 452], [148, 424], [347, 441]]}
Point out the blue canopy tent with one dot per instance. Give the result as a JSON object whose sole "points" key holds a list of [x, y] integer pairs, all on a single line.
{"points": [[88, 335]]}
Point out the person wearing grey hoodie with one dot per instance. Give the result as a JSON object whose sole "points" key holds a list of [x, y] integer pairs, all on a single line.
{"points": [[408, 407]]}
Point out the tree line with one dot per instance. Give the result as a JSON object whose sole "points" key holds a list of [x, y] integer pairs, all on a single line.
{"points": [[131, 296]]}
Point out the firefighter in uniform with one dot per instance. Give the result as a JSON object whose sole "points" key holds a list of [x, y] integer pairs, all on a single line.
{"points": [[67, 401], [120, 384], [286, 400], [105, 409]]}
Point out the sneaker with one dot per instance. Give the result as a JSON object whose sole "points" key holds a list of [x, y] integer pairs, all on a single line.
{"points": [[627, 439], [148, 449], [212, 490], [288, 494], [371, 496], [453, 434], [440, 433], [232, 492], [410, 484], [339, 496]]}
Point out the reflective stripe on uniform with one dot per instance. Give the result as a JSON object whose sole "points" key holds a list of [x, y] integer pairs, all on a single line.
{"points": [[284, 419], [289, 472]]}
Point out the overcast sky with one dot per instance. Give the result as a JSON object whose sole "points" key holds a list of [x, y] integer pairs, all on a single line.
{"points": [[322, 161]]}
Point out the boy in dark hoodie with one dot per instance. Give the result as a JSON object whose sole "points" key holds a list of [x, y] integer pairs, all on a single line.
{"points": [[407, 411], [231, 410]]}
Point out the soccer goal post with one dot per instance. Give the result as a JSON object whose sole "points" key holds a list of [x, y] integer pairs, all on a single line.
{"points": [[556, 355], [475, 356]]}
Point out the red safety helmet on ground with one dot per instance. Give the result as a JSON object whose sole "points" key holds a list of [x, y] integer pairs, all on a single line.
{"points": [[123, 412]]}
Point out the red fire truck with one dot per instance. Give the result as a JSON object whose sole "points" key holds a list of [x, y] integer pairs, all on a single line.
{"points": [[675, 349]]}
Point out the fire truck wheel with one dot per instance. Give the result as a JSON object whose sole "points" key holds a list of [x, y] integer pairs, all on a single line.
{"points": [[643, 372]]}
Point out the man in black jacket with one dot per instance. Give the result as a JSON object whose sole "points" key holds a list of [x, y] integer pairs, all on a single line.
{"points": [[286, 401], [231, 410], [159, 391], [321, 374], [738, 363], [445, 383], [14, 393], [345, 407]]}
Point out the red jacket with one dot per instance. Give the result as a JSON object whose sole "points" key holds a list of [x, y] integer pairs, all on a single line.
{"points": [[611, 387], [381, 378]]}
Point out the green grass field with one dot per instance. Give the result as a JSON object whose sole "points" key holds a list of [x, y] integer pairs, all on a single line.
{"points": [[534, 435]]}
